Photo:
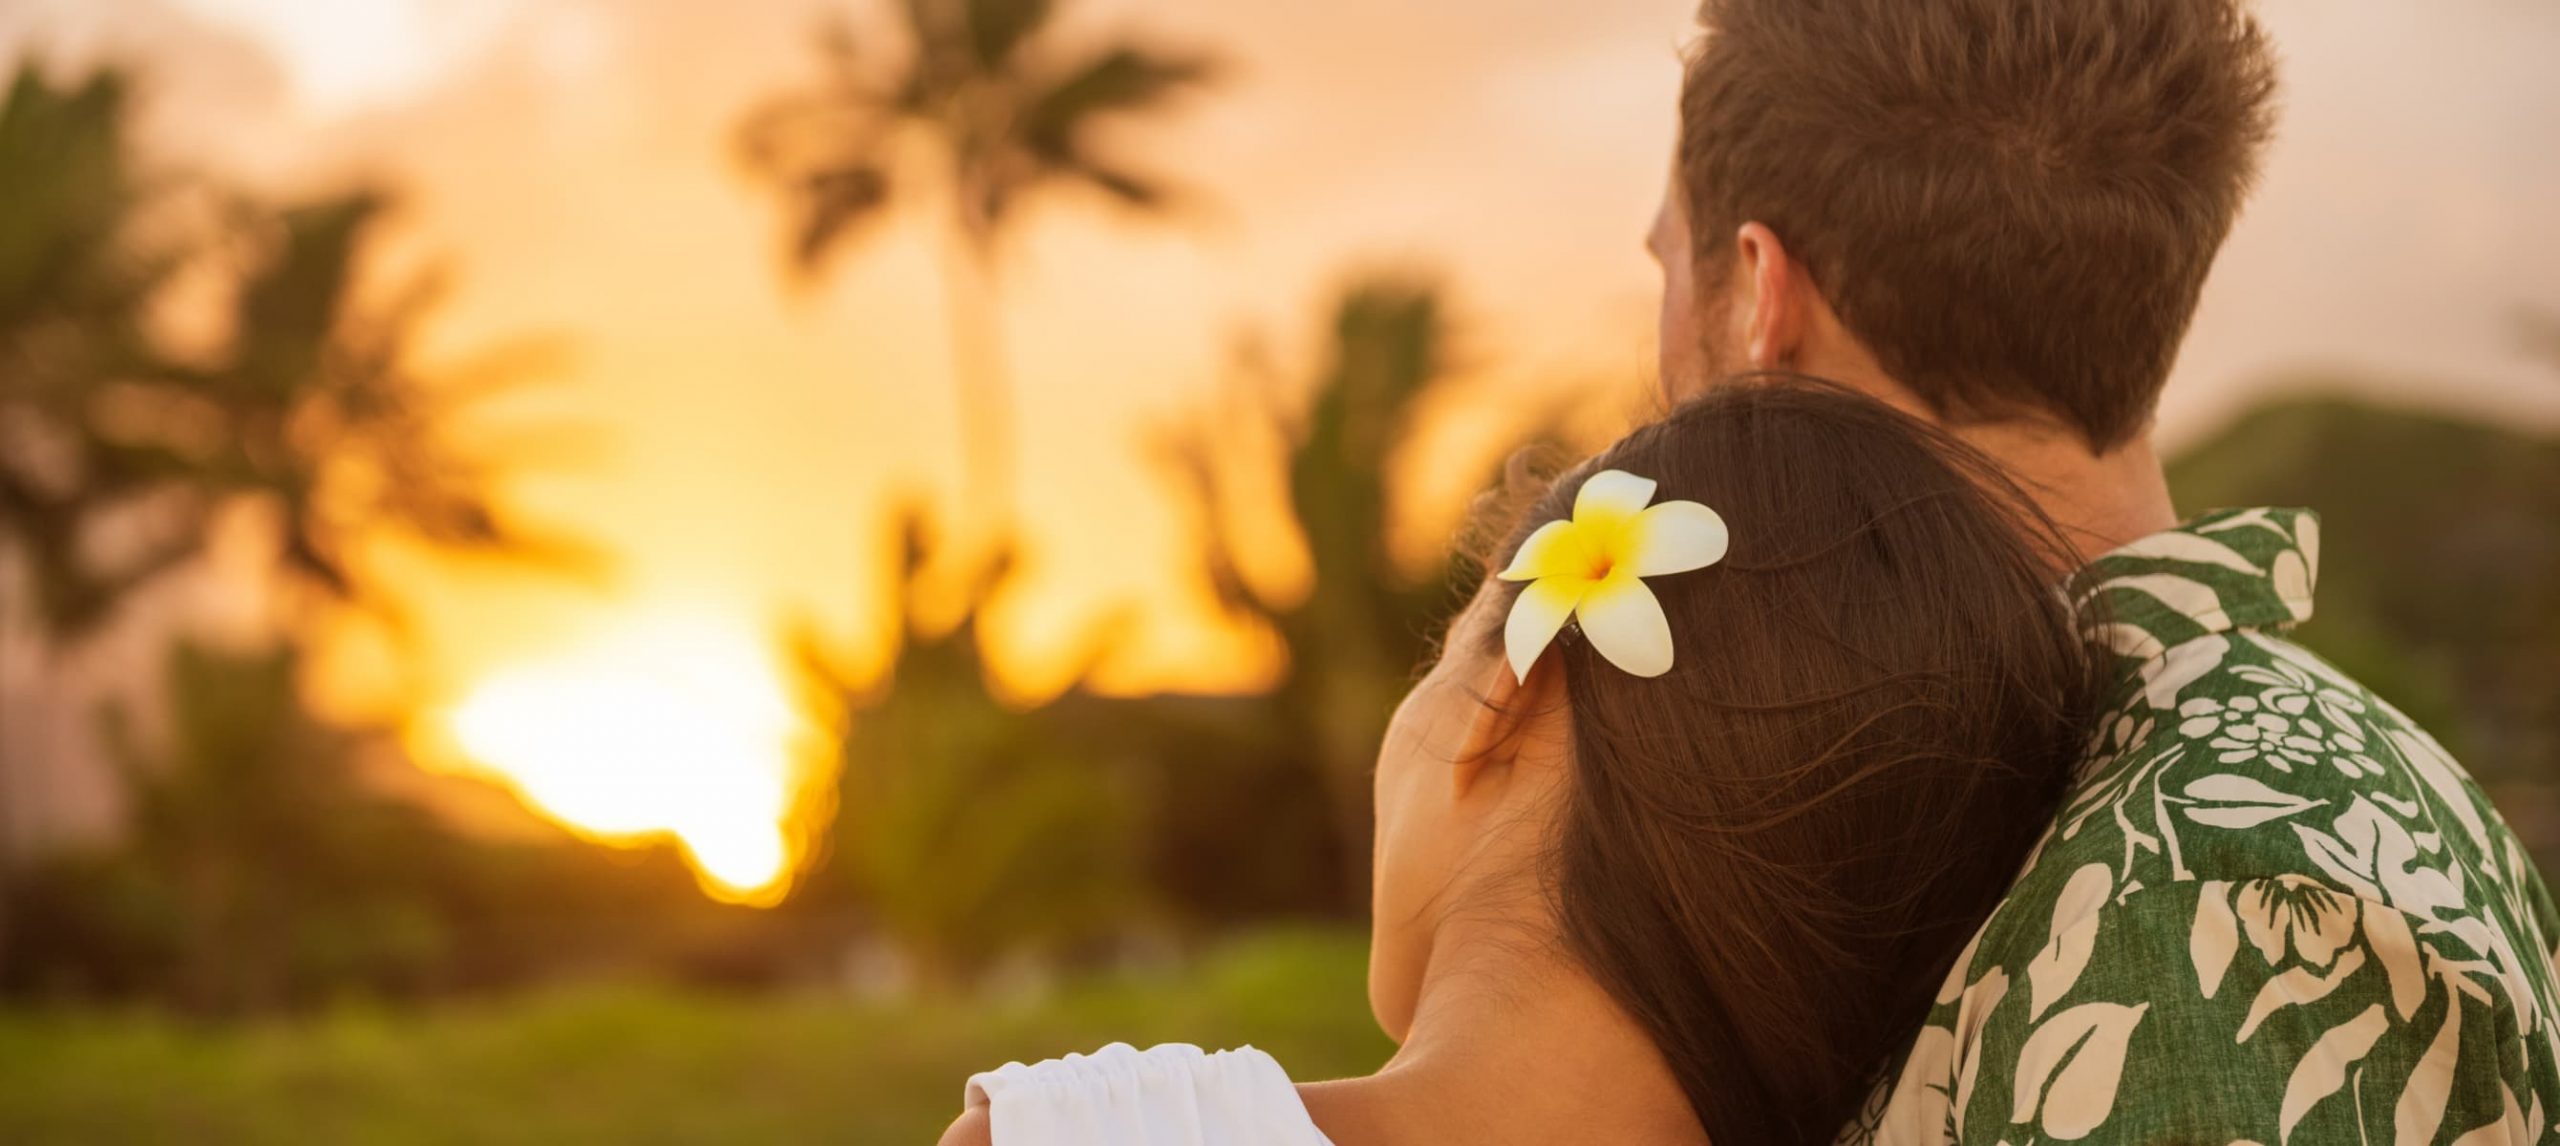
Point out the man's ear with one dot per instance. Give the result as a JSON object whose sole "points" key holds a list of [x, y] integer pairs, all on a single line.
{"points": [[1774, 325], [1513, 725]]}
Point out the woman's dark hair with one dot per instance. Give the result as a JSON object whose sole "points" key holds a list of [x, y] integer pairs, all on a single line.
{"points": [[1771, 855]]}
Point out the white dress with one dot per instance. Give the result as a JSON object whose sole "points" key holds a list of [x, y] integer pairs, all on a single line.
{"points": [[1171, 1095]]}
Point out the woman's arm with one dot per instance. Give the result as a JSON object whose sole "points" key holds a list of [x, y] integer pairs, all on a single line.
{"points": [[970, 1129]]}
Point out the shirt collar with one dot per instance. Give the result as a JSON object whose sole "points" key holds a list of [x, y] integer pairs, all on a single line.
{"points": [[2229, 569]]}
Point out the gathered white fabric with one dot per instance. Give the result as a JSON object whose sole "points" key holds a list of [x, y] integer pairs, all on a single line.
{"points": [[1170, 1095]]}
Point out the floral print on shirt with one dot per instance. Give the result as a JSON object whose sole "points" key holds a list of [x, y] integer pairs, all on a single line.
{"points": [[2272, 910]]}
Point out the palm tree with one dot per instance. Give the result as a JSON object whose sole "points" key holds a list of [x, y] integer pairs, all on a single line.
{"points": [[317, 406], [315, 409], [75, 290], [1356, 635], [1012, 113], [329, 418], [74, 283]]}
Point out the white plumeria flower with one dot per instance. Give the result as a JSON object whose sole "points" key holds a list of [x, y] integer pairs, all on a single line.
{"points": [[1591, 568]]}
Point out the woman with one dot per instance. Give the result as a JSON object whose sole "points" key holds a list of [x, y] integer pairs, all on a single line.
{"points": [[1677, 839]]}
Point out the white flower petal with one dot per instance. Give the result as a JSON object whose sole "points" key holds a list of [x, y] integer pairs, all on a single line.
{"points": [[1536, 616], [1611, 496], [1554, 549], [1676, 537], [1625, 623]]}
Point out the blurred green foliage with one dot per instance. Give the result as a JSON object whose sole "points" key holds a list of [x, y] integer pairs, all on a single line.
{"points": [[967, 830], [1359, 638], [2439, 572], [262, 869], [263, 873], [641, 1067]]}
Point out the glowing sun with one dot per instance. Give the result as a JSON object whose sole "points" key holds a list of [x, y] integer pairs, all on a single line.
{"points": [[671, 728]]}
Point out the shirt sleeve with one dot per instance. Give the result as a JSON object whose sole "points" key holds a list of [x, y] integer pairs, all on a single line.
{"points": [[2270, 1011]]}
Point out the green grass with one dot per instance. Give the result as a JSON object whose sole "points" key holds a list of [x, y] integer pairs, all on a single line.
{"points": [[632, 1065]]}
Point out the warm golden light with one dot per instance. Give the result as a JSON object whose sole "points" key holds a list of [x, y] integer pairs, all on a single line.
{"points": [[347, 56], [671, 728]]}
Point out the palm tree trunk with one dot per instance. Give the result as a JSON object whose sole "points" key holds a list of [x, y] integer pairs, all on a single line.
{"points": [[9, 787], [25, 787], [977, 363]]}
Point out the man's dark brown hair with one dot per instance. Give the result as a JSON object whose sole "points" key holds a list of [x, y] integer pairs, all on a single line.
{"points": [[2012, 203], [1771, 854]]}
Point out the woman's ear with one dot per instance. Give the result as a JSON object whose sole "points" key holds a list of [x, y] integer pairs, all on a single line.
{"points": [[1519, 726]]}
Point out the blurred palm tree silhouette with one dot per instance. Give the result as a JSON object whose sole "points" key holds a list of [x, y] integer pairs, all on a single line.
{"points": [[118, 447], [313, 403], [327, 414], [1012, 114], [965, 829], [74, 285], [1356, 638], [76, 280]]}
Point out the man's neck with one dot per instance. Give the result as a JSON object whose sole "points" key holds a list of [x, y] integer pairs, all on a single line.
{"points": [[2100, 502]]}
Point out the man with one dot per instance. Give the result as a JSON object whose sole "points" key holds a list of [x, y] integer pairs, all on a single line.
{"points": [[2272, 910]]}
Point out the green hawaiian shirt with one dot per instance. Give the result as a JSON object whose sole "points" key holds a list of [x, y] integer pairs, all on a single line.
{"points": [[2271, 911]]}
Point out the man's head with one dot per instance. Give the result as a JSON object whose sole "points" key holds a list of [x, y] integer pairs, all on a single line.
{"points": [[1995, 210]]}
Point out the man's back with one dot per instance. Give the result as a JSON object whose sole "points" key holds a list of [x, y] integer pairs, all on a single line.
{"points": [[2272, 909]]}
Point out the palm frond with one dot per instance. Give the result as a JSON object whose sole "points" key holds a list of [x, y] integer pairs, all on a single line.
{"points": [[1131, 190], [1121, 79], [999, 28], [830, 203], [293, 303], [826, 126], [828, 149]]}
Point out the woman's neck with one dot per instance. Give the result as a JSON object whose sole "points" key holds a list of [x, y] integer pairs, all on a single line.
{"points": [[1511, 1043]]}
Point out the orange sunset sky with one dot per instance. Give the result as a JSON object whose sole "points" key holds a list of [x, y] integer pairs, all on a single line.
{"points": [[569, 162]]}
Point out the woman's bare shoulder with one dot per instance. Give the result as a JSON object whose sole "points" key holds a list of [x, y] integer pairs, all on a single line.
{"points": [[970, 1129], [1341, 1110]]}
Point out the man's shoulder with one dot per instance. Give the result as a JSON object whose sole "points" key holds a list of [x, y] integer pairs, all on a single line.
{"points": [[2260, 868], [2266, 889], [2245, 755], [2241, 755]]}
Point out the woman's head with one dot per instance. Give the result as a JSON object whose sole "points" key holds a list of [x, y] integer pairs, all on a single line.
{"points": [[1768, 855]]}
